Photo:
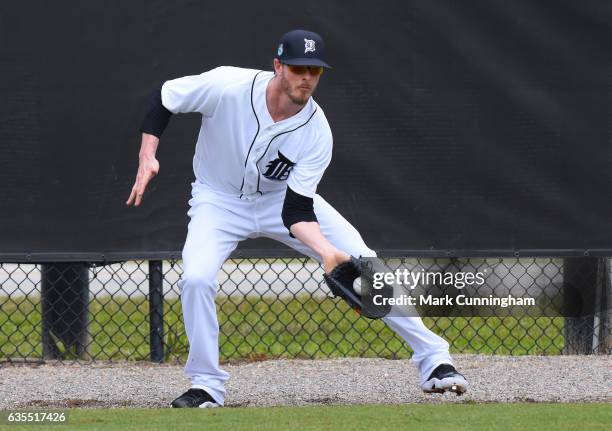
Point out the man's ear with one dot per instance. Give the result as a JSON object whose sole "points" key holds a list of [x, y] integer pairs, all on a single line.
{"points": [[277, 66]]}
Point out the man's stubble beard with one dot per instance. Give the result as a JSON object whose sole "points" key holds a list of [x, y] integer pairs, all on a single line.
{"points": [[286, 87]]}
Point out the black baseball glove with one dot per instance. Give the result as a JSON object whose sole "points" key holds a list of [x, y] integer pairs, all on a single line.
{"points": [[342, 278]]}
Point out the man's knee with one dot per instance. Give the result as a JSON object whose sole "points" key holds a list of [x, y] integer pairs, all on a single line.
{"points": [[200, 278]]}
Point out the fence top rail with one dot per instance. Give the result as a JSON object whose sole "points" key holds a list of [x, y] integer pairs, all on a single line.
{"points": [[109, 257]]}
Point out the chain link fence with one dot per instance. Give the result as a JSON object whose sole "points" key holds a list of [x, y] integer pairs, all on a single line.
{"points": [[277, 308]]}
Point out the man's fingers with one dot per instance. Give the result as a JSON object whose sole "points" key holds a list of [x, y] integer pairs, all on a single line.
{"points": [[136, 194], [142, 180], [132, 196], [141, 188]]}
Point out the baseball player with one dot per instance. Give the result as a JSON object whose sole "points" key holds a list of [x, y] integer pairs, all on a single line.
{"points": [[262, 149]]}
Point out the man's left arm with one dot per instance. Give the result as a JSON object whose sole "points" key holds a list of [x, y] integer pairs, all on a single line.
{"points": [[298, 209], [299, 217]]}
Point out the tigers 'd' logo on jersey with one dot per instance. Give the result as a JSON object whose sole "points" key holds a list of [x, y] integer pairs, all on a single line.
{"points": [[279, 169]]}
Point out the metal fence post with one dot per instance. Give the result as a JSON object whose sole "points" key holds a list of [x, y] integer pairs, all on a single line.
{"points": [[603, 342], [582, 280], [156, 310], [64, 301]]}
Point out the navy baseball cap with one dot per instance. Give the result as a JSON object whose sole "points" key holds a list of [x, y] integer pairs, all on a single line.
{"points": [[302, 48]]}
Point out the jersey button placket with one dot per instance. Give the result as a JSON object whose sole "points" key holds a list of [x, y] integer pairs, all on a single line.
{"points": [[250, 174], [253, 171]]}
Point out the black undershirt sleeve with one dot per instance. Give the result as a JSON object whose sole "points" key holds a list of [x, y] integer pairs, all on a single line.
{"points": [[157, 117], [297, 208]]}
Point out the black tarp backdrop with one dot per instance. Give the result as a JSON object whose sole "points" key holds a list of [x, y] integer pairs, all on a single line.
{"points": [[472, 126]]}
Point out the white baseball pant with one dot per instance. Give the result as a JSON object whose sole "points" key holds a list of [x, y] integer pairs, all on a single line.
{"points": [[218, 222]]}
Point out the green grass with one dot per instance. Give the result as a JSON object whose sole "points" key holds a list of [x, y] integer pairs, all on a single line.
{"points": [[254, 327], [457, 417]]}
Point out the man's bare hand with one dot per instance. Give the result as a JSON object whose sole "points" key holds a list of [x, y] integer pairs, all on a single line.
{"points": [[309, 232], [333, 259], [148, 168]]}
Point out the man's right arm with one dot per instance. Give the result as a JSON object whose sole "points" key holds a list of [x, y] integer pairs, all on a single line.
{"points": [[153, 126], [196, 93], [148, 167]]}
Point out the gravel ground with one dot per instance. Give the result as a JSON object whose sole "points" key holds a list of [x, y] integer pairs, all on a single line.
{"points": [[307, 382]]}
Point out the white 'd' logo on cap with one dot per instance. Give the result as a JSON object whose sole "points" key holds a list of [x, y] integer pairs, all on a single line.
{"points": [[309, 45]]}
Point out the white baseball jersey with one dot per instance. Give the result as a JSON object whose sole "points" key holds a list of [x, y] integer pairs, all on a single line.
{"points": [[240, 149]]}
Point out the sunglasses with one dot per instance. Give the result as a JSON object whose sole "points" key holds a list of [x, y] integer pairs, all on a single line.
{"points": [[301, 70]]}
